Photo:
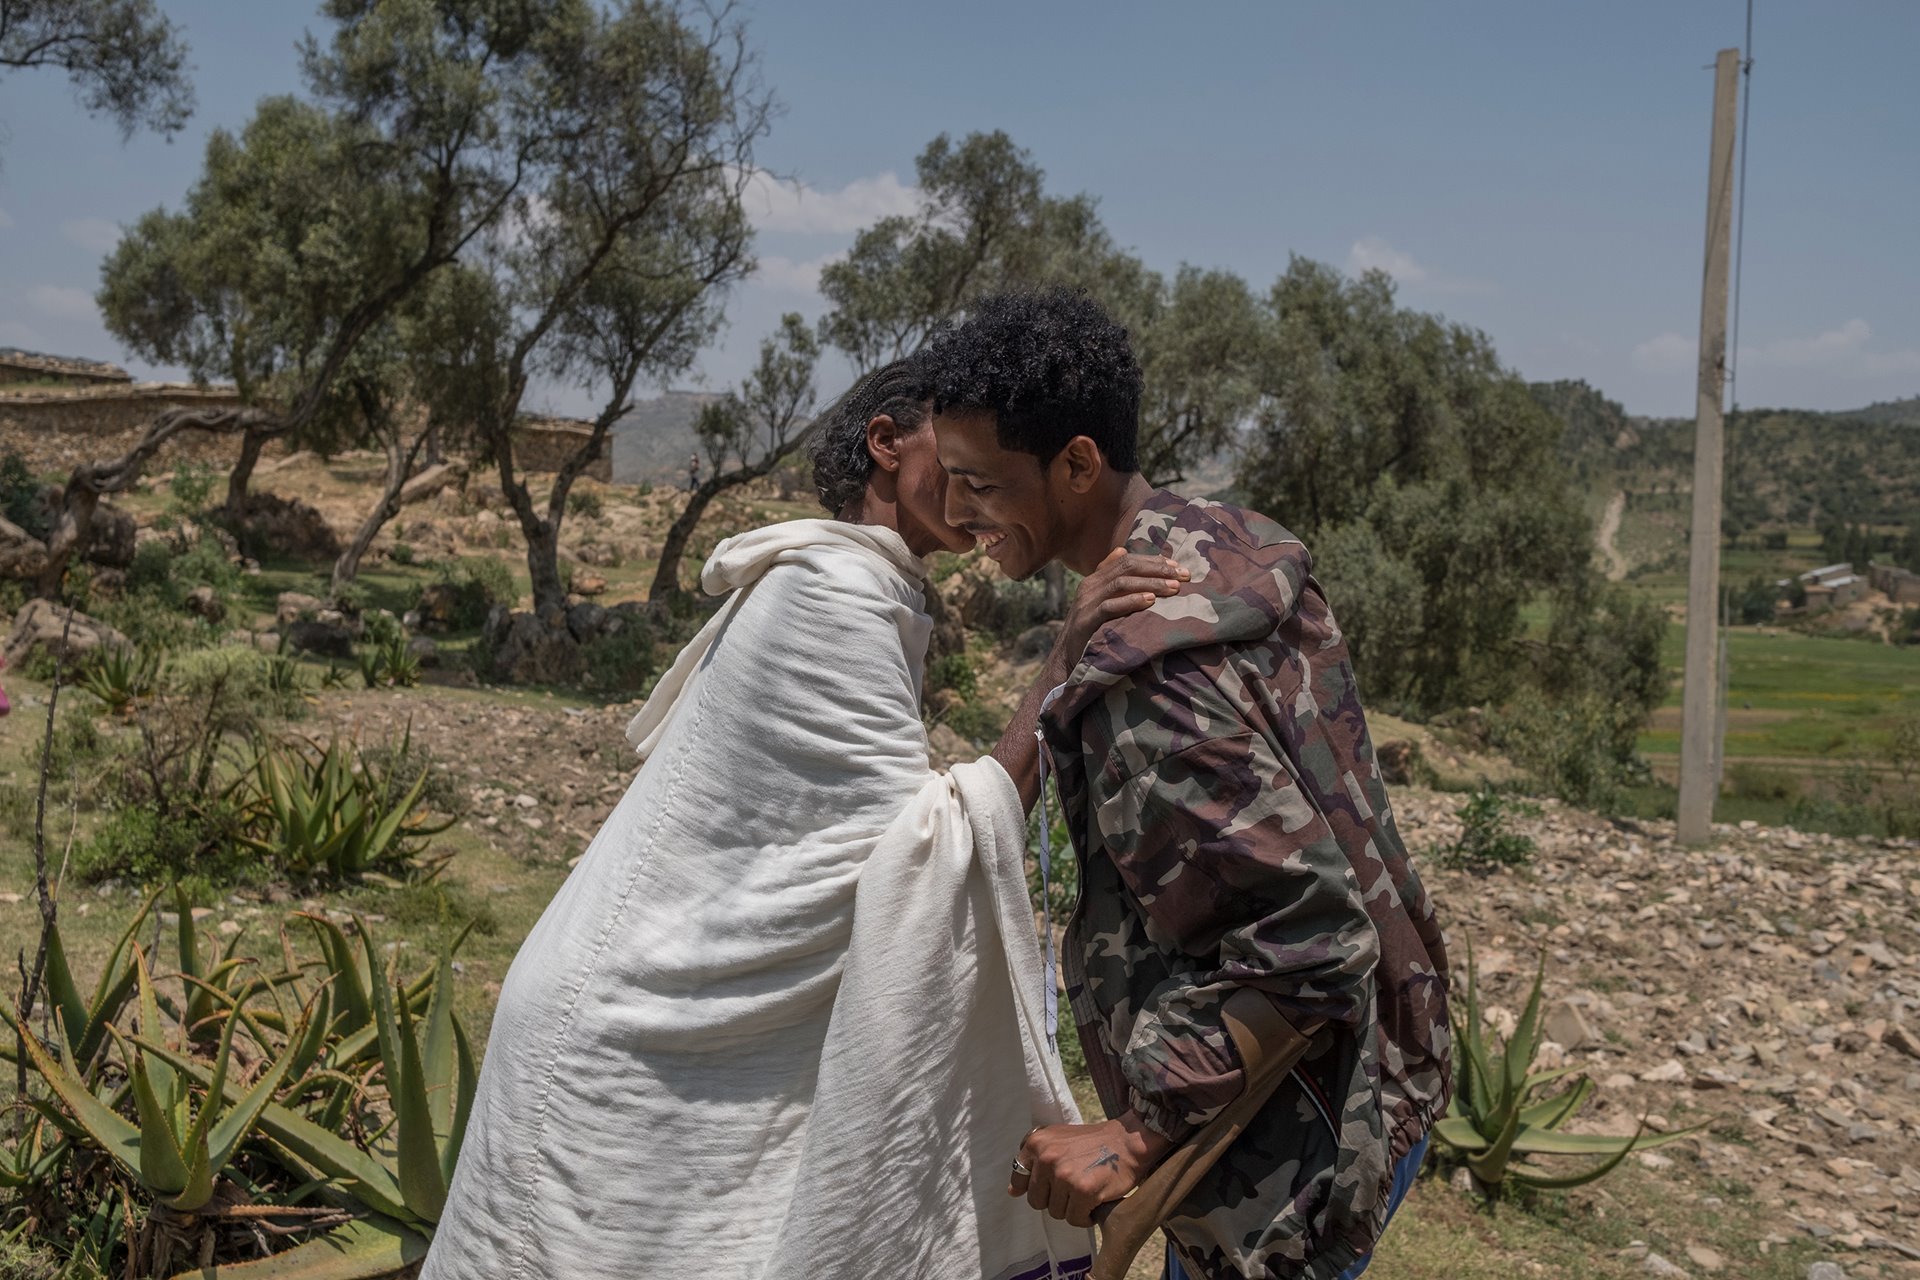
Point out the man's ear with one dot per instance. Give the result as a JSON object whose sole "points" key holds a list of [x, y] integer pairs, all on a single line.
{"points": [[1082, 464], [883, 441]]}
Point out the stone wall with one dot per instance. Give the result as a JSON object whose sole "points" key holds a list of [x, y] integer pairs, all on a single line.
{"points": [[544, 444], [56, 429], [18, 366]]}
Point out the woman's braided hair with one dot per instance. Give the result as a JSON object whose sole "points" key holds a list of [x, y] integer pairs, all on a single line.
{"points": [[842, 463]]}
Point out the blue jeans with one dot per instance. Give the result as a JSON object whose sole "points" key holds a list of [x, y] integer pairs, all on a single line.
{"points": [[1403, 1175]]}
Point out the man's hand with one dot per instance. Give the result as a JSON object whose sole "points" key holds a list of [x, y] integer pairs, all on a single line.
{"points": [[1076, 1168], [1124, 583]]}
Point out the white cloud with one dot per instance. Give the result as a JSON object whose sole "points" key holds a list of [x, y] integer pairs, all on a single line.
{"points": [[774, 205], [788, 276], [1374, 253], [62, 303], [1665, 353], [96, 234], [1371, 253], [1842, 350], [6, 220]]}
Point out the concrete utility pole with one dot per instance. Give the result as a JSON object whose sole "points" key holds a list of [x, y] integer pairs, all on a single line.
{"points": [[1700, 715]]}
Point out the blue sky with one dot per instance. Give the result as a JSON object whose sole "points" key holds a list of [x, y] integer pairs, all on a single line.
{"points": [[1537, 170]]}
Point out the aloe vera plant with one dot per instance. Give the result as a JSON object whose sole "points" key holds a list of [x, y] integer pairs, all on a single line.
{"points": [[1493, 1123], [318, 812], [327, 1079], [120, 676]]}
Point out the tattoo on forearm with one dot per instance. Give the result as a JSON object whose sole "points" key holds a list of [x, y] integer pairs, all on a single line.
{"points": [[1108, 1159]]}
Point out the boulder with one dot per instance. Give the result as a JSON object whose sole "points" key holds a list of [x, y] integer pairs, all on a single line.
{"points": [[1398, 759], [586, 620], [40, 626], [1037, 642], [22, 555], [294, 605], [446, 475], [326, 639], [424, 651], [287, 526], [589, 584], [204, 602]]}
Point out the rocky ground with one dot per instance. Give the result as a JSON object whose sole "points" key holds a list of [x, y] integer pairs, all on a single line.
{"points": [[1766, 987]]}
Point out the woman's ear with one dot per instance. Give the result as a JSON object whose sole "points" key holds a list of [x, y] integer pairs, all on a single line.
{"points": [[883, 441]]}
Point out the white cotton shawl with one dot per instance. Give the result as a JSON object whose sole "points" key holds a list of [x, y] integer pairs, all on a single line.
{"points": [[784, 1020]]}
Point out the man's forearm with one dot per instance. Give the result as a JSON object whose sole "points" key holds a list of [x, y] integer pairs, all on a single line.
{"points": [[1018, 750]]}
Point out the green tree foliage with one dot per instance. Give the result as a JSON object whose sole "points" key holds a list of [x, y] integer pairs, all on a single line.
{"points": [[1427, 477], [639, 130], [308, 230], [986, 223], [124, 59]]}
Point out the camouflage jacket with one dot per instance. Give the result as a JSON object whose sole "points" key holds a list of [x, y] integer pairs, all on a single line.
{"points": [[1232, 830]]}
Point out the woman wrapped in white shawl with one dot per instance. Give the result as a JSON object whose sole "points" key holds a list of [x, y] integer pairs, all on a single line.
{"points": [[787, 1017]]}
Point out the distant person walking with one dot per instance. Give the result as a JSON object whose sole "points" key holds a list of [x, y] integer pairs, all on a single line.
{"points": [[693, 473]]}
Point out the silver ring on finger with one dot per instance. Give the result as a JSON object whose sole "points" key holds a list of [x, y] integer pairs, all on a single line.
{"points": [[1021, 1170]]}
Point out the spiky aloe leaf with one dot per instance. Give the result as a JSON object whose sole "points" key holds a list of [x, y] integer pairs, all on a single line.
{"points": [[1524, 1044], [1548, 1142], [103, 1126], [1566, 1182], [418, 1157], [359, 1174], [1557, 1110], [361, 1250], [469, 1078], [162, 1166]]}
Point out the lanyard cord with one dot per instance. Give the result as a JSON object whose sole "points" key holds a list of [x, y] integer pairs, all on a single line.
{"points": [[1051, 997]]}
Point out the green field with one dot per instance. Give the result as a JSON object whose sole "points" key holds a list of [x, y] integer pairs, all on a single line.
{"points": [[1790, 695]]}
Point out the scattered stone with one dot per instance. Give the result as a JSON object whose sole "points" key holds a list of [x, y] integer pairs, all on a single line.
{"points": [[326, 639], [42, 627], [431, 480], [204, 602], [1825, 1271], [1704, 1258], [589, 584], [22, 556], [1668, 1072], [1655, 1265], [9, 898], [1899, 1038], [294, 605]]}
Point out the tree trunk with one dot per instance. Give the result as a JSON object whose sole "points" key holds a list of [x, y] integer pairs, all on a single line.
{"points": [[71, 532], [666, 587], [1054, 576], [543, 566], [251, 443], [434, 455], [399, 470]]}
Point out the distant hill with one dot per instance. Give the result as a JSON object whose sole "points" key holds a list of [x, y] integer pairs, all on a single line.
{"points": [[1785, 467], [652, 441]]}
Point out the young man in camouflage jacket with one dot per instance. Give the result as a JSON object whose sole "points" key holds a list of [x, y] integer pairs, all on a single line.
{"points": [[1230, 822]]}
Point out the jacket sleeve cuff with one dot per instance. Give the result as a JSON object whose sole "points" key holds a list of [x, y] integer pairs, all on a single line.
{"points": [[1163, 1120]]}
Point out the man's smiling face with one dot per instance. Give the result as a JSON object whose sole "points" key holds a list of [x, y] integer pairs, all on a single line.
{"points": [[1005, 498]]}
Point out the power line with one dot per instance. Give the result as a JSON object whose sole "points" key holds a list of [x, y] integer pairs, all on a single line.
{"points": [[1740, 211]]}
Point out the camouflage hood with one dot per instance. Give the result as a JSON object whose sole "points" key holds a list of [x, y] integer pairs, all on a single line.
{"points": [[1233, 831], [1246, 581]]}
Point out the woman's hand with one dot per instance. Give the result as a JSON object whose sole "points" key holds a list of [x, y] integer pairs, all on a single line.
{"points": [[1124, 583]]}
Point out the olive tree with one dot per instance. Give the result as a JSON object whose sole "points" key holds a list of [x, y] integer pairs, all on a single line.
{"points": [[746, 434]]}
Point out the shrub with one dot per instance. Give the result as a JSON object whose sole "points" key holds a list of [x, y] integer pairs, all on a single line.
{"points": [[584, 502], [192, 485], [401, 553], [20, 496], [953, 671], [479, 583], [974, 722], [1579, 747], [313, 811], [622, 662], [1487, 840], [142, 845]]}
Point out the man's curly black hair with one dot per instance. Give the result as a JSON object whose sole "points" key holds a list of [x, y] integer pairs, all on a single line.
{"points": [[1049, 366], [842, 463]]}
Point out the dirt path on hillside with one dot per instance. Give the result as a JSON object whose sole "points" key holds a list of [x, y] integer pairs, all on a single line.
{"points": [[1616, 564]]}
